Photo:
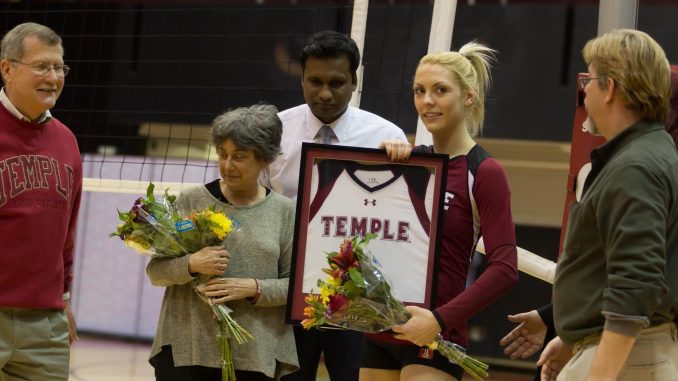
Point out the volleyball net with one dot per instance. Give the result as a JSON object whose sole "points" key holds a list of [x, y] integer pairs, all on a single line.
{"points": [[147, 79]]}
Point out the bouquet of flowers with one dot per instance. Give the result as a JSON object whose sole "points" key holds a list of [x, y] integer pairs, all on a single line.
{"points": [[356, 296], [155, 227]]}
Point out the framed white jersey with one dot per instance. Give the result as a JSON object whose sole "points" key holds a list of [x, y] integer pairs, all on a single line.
{"points": [[346, 192]]}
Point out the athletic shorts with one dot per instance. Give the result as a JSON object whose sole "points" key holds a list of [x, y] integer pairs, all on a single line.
{"points": [[380, 355]]}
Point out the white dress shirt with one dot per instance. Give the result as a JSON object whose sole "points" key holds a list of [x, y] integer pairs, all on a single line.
{"points": [[356, 128]]}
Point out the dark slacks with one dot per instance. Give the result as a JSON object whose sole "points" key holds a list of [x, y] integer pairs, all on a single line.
{"points": [[166, 371], [342, 351]]}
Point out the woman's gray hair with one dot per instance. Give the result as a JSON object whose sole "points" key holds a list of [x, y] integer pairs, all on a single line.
{"points": [[255, 128]]}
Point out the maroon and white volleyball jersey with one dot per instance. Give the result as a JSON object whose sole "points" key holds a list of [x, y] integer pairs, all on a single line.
{"points": [[476, 203], [392, 201]]}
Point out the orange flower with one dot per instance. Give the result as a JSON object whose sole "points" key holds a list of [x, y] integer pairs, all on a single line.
{"points": [[308, 323]]}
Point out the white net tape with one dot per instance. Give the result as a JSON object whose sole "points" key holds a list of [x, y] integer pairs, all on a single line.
{"points": [[530, 263]]}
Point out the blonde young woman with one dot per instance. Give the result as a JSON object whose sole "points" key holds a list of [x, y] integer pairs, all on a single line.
{"points": [[449, 93]]}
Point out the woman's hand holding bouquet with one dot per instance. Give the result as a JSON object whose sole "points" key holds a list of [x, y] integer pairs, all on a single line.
{"points": [[356, 296], [421, 329], [154, 227], [210, 260], [222, 290]]}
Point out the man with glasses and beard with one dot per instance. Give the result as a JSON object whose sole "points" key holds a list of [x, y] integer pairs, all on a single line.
{"points": [[615, 296]]}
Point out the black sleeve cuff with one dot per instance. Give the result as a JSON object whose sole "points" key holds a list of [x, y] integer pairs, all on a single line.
{"points": [[546, 314], [443, 327]]}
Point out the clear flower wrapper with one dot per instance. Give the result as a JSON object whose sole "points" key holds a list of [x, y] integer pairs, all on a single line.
{"points": [[357, 296]]}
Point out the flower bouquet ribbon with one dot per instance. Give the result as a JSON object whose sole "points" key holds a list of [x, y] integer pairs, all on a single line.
{"points": [[154, 227], [356, 296]]}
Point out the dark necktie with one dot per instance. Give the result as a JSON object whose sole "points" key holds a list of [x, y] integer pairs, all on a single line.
{"points": [[325, 134]]}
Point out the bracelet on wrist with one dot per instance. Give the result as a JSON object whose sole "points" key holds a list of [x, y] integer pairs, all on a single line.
{"points": [[254, 299]]}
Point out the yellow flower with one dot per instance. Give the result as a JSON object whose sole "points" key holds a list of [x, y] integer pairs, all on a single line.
{"points": [[220, 224], [325, 293], [139, 246], [334, 282]]}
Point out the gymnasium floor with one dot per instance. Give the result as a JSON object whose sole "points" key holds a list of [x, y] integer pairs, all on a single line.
{"points": [[103, 359]]}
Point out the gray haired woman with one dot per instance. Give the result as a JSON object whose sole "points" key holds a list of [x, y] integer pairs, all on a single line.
{"points": [[253, 277]]}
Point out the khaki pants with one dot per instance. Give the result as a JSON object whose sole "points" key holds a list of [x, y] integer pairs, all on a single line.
{"points": [[654, 357], [33, 345]]}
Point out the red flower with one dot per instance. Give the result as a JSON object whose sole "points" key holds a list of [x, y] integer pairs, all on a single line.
{"points": [[345, 259], [337, 302]]}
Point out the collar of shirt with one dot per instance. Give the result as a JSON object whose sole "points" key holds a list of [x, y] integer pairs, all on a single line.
{"points": [[339, 126], [44, 118], [605, 152], [601, 155]]}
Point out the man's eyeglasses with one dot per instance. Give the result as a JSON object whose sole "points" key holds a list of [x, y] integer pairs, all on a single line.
{"points": [[583, 81], [42, 69]]}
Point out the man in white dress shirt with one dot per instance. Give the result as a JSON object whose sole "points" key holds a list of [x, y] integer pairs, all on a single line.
{"points": [[329, 61]]}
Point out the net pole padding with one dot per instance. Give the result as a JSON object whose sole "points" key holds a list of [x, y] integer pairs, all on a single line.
{"points": [[617, 14], [358, 28], [132, 186], [439, 40], [530, 263]]}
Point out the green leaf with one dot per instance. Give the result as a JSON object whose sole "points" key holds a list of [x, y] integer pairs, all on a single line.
{"points": [[351, 290], [149, 192], [122, 216], [356, 277]]}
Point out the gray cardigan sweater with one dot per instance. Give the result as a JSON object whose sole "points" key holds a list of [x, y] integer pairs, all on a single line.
{"points": [[187, 324]]}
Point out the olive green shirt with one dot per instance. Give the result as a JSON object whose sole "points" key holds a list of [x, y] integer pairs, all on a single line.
{"points": [[619, 267]]}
